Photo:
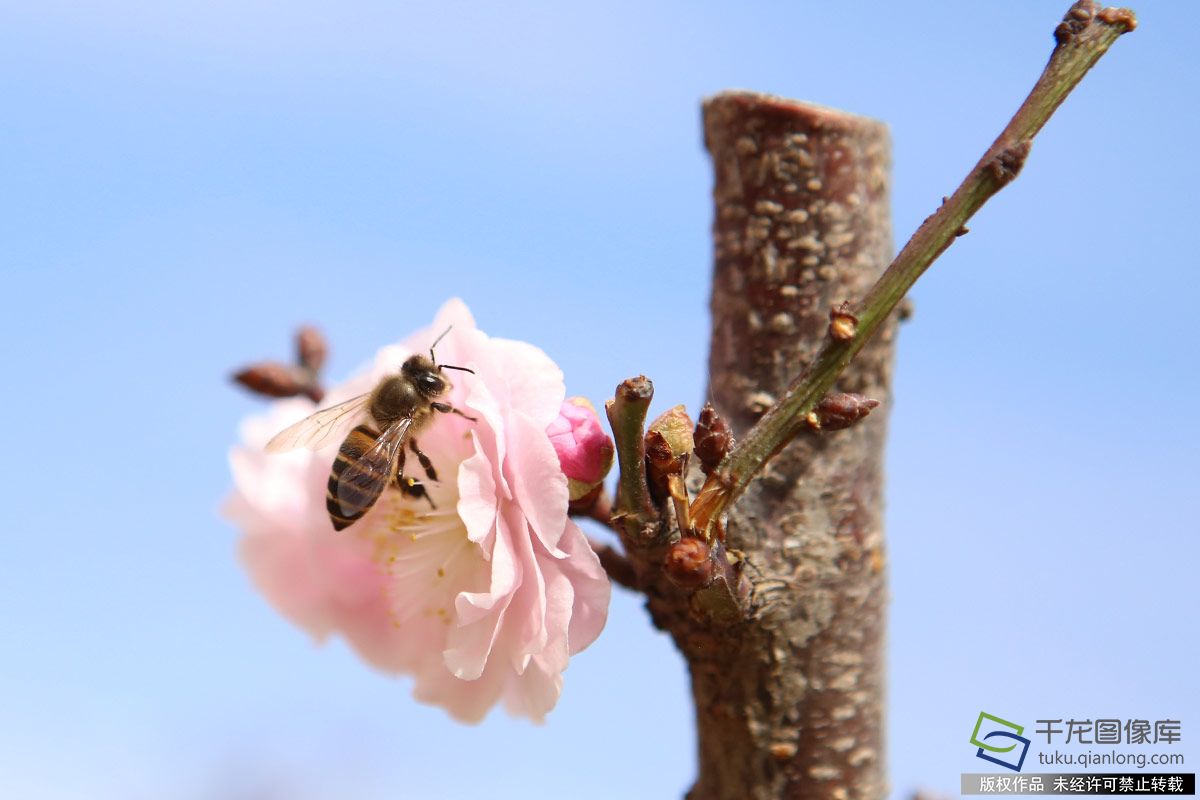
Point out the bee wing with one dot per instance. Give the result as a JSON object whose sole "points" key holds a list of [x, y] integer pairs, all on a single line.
{"points": [[364, 479], [319, 428]]}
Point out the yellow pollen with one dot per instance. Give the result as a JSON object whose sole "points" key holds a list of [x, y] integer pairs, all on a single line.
{"points": [[441, 572], [401, 518]]}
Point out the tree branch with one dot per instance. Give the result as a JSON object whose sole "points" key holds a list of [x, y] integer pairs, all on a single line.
{"points": [[619, 570], [789, 694], [627, 415], [1084, 36]]}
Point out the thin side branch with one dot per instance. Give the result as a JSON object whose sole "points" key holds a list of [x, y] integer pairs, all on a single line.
{"points": [[619, 570], [600, 509], [1084, 36], [627, 416]]}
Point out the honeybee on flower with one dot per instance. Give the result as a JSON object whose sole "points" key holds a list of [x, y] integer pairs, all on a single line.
{"points": [[479, 585]]}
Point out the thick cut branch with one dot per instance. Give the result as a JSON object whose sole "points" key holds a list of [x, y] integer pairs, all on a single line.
{"points": [[790, 704]]}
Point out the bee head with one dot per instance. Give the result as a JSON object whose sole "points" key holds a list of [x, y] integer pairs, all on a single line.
{"points": [[425, 375], [437, 368]]}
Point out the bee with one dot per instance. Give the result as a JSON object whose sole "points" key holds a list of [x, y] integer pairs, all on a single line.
{"points": [[372, 455]]}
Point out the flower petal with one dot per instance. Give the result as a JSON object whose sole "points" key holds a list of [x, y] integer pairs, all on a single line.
{"points": [[538, 483], [477, 501]]}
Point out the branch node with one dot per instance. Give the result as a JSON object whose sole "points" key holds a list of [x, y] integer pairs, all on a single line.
{"points": [[1080, 16], [1123, 17], [725, 600], [689, 564], [843, 326], [1006, 165], [713, 439], [839, 410]]}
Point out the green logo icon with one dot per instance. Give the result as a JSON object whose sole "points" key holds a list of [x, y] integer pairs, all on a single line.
{"points": [[990, 731], [1017, 729]]}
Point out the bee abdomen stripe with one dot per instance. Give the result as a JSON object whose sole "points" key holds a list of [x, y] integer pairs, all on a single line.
{"points": [[357, 443], [339, 511], [348, 500], [364, 437], [347, 497], [340, 522], [350, 494]]}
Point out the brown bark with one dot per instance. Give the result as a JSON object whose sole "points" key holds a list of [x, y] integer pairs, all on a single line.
{"points": [[790, 702]]}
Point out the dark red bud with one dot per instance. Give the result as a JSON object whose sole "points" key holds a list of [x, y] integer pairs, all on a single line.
{"points": [[713, 439], [840, 410], [311, 348], [273, 379], [689, 564]]}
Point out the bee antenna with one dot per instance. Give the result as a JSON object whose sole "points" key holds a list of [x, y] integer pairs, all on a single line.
{"points": [[451, 366], [435, 343]]}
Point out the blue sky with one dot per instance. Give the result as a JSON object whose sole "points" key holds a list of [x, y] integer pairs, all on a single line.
{"points": [[184, 183]]}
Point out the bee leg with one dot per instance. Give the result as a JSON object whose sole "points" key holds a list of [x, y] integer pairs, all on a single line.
{"points": [[411, 487], [426, 464], [446, 408]]}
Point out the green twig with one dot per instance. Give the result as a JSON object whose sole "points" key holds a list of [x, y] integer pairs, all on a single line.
{"points": [[1085, 34], [627, 416]]}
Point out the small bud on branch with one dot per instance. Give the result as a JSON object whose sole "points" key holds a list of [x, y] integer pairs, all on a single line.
{"points": [[842, 324], [276, 379], [273, 379], [584, 450], [311, 348], [668, 444], [689, 563], [713, 438], [839, 410]]}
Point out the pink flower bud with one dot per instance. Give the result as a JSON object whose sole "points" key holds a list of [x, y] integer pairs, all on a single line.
{"points": [[585, 452]]}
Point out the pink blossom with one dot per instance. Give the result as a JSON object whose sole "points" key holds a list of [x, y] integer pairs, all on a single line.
{"points": [[481, 597], [585, 451]]}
